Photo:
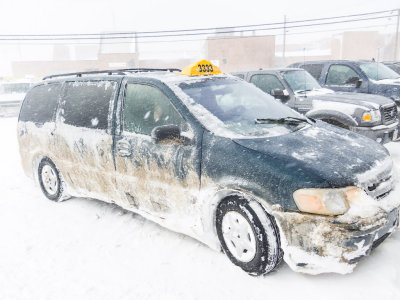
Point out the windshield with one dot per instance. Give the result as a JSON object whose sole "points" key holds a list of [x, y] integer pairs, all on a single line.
{"points": [[378, 71], [238, 105], [300, 80]]}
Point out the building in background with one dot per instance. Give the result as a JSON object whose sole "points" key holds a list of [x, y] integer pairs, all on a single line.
{"points": [[235, 53], [229, 51], [351, 45]]}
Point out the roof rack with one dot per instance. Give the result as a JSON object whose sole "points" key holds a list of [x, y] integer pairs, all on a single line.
{"points": [[111, 72]]}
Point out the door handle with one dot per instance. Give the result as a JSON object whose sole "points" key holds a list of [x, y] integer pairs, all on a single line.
{"points": [[124, 148]]}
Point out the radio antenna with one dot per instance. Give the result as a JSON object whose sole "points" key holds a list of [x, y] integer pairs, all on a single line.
{"points": [[305, 77]]}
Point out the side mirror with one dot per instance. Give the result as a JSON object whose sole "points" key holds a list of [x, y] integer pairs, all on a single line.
{"points": [[354, 80], [167, 135], [280, 94]]}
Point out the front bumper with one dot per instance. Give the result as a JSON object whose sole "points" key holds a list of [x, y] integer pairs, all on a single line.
{"points": [[317, 244], [381, 133]]}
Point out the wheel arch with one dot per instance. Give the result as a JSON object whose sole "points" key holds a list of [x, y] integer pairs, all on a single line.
{"points": [[209, 214], [333, 115]]}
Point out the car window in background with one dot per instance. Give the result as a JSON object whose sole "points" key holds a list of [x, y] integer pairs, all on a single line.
{"points": [[87, 103], [341, 75], [300, 80], [266, 82], [146, 107], [40, 104], [378, 71], [314, 69], [395, 68]]}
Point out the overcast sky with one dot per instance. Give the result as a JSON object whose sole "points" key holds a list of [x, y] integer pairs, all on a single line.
{"points": [[95, 16], [77, 16]]}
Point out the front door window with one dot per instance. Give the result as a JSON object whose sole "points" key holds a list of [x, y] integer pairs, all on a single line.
{"points": [[146, 107], [341, 75]]}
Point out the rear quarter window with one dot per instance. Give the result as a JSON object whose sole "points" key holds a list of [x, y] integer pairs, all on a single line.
{"points": [[87, 103], [40, 104]]}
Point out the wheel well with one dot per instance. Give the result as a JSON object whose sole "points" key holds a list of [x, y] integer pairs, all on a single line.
{"points": [[267, 220]]}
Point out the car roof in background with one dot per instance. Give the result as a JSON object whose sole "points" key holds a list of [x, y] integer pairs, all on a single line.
{"points": [[268, 70]]}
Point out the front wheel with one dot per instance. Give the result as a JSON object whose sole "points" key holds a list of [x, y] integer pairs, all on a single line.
{"points": [[248, 236], [50, 180]]}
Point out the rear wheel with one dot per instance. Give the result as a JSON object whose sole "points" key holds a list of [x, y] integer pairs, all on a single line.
{"points": [[50, 180], [248, 235]]}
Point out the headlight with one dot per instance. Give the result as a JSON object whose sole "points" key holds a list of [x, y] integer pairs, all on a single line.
{"points": [[371, 116], [330, 202]]}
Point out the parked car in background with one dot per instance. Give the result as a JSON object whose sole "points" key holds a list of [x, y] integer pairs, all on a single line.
{"points": [[362, 76], [11, 95], [13, 91], [212, 156], [370, 115], [394, 65]]}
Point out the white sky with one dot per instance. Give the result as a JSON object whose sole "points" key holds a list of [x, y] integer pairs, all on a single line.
{"points": [[95, 16], [81, 16]]}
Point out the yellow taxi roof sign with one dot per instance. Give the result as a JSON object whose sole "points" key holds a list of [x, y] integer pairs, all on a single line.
{"points": [[202, 67]]}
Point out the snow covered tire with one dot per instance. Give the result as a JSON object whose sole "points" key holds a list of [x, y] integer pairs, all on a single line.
{"points": [[248, 235], [50, 180]]}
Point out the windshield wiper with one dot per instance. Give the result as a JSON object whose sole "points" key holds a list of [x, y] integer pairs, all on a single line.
{"points": [[285, 120], [303, 91]]}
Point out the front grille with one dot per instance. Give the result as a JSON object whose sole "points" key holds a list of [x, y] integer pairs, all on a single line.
{"points": [[389, 113]]}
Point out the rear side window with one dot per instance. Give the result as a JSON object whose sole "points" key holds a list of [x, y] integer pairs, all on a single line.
{"points": [[87, 103], [266, 82], [40, 104], [314, 69]]}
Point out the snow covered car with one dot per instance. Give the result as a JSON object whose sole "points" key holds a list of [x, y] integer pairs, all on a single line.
{"points": [[370, 115], [394, 65], [214, 157], [362, 76]]}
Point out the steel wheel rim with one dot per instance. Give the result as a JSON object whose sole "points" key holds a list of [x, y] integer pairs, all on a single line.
{"points": [[239, 236], [49, 180]]}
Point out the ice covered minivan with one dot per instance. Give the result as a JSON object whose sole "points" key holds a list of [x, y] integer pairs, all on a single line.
{"points": [[213, 157]]}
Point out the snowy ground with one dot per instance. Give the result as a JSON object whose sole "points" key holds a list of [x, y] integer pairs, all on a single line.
{"points": [[82, 249]]}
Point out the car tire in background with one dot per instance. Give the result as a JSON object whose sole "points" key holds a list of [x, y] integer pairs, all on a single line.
{"points": [[248, 235]]}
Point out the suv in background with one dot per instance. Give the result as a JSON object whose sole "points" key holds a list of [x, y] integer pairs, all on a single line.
{"points": [[394, 65], [370, 115], [362, 76]]}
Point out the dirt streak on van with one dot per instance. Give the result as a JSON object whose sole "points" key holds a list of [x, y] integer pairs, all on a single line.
{"points": [[213, 157]]}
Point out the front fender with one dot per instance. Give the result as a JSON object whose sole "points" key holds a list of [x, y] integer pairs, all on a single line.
{"points": [[333, 115]]}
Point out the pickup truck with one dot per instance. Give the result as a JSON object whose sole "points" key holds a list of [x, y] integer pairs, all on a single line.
{"points": [[370, 115]]}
